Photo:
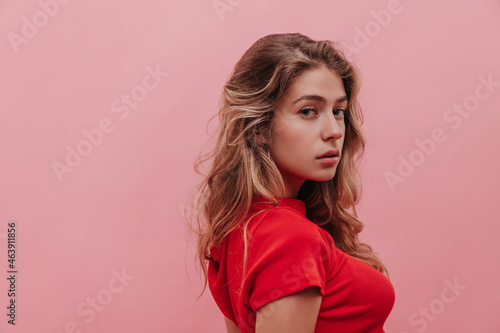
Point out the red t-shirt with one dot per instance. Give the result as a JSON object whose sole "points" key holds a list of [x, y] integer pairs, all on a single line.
{"points": [[287, 253]]}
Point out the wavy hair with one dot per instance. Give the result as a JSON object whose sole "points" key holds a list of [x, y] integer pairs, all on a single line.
{"points": [[242, 169]]}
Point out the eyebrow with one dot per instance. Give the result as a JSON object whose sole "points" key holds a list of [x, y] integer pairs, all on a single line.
{"points": [[319, 98]]}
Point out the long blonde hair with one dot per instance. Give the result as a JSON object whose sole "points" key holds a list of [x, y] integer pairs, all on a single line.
{"points": [[241, 169]]}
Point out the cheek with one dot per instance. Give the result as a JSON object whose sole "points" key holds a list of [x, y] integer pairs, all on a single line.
{"points": [[286, 146], [285, 134], [294, 140]]}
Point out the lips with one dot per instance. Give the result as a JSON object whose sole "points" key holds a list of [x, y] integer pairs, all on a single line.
{"points": [[330, 153]]}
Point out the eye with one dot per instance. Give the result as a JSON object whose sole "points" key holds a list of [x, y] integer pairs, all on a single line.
{"points": [[339, 113], [306, 112]]}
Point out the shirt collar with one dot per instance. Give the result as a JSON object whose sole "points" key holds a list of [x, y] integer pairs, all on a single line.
{"points": [[296, 204]]}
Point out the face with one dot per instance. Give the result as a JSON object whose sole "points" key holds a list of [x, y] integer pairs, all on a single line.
{"points": [[308, 129]]}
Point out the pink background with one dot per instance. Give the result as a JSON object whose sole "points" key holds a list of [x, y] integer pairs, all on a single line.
{"points": [[118, 211]]}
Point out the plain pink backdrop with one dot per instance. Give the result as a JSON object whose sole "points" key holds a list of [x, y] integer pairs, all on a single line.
{"points": [[66, 68]]}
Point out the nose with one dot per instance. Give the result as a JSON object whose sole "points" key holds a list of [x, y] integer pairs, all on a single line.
{"points": [[332, 128]]}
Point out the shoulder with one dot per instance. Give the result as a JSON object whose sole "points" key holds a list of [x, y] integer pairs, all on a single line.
{"points": [[283, 224], [286, 253]]}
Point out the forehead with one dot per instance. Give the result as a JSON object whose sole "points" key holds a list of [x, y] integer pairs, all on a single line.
{"points": [[320, 81]]}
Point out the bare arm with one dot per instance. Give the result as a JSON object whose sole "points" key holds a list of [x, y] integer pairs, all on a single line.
{"points": [[230, 326], [295, 313]]}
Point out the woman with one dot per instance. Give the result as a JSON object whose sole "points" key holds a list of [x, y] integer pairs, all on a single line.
{"points": [[277, 222]]}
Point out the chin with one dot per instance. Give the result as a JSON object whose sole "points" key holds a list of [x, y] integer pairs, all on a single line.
{"points": [[323, 178]]}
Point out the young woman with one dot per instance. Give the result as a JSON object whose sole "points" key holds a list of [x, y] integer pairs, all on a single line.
{"points": [[277, 221]]}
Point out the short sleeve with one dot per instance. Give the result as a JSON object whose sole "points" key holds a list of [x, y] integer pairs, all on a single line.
{"points": [[286, 253]]}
